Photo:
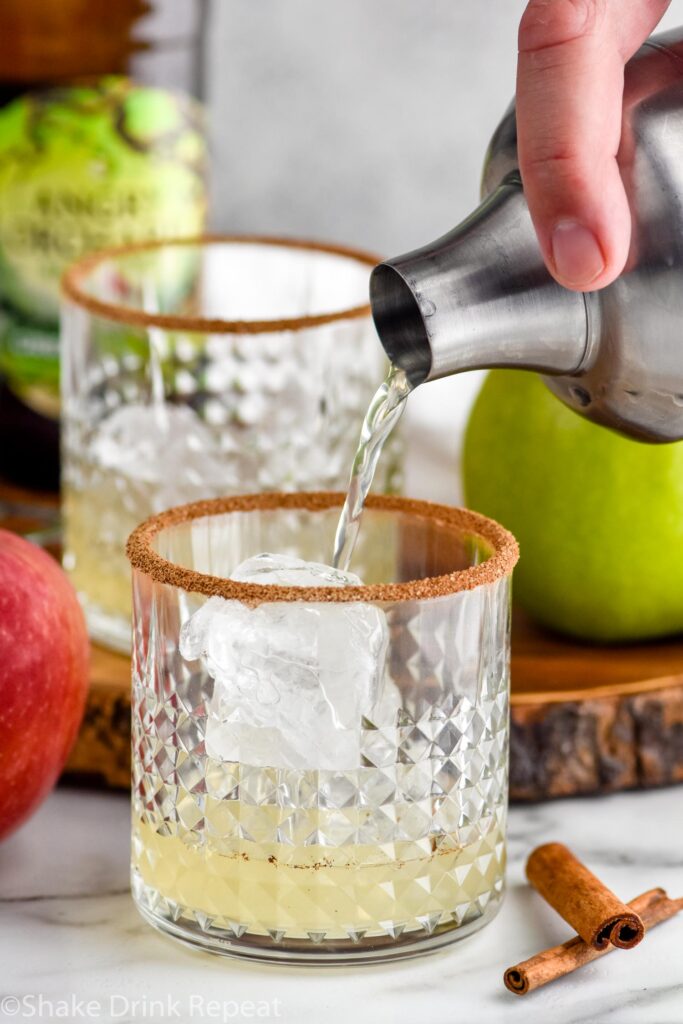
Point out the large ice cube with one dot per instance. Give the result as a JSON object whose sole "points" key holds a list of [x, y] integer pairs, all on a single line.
{"points": [[292, 680], [165, 450]]}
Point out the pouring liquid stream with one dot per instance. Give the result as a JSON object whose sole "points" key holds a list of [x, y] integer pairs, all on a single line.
{"points": [[384, 412]]}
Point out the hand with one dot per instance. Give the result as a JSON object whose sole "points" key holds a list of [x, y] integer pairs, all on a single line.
{"points": [[569, 95]]}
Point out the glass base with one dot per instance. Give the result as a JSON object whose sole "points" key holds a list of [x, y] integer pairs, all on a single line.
{"points": [[104, 628], [171, 919]]}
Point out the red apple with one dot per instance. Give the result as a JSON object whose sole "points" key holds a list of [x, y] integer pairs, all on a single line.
{"points": [[43, 676]]}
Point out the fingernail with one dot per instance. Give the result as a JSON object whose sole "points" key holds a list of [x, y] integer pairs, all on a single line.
{"points": [[577, 254]]}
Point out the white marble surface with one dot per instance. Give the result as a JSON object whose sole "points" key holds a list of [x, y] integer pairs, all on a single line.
{"points": [[69, 931]]}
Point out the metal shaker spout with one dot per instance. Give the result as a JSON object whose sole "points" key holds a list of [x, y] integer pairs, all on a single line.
{"points": [[479, 297]]}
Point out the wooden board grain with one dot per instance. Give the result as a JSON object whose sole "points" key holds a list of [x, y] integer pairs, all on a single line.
{"points": [[101, 754], [590, 719]]}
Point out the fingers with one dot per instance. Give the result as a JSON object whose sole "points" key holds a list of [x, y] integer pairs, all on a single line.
{"points": [[569, 94]]}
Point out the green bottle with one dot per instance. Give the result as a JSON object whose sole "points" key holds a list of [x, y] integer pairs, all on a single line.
{"points": [[101, 143]]}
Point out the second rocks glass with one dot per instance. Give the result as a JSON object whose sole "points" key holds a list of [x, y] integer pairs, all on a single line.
{"points": [[195, 369]]}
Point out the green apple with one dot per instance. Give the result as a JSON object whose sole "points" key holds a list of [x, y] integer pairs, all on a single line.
{"points": [[599, 517]]}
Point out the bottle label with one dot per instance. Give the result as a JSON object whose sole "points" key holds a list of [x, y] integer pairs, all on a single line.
{"points": [[82, 168]]}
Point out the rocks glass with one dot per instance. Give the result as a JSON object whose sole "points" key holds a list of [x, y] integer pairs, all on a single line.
{"points": [[194, 369], [320, 774]]}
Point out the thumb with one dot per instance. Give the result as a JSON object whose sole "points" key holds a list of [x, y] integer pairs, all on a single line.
{"points": [[569, 99]]}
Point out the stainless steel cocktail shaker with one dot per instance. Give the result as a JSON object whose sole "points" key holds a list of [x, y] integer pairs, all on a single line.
{"points": [[481, 296]]}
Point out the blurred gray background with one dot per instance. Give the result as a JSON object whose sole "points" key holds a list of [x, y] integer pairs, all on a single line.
{"points": [[362, 121], [365, 122]]}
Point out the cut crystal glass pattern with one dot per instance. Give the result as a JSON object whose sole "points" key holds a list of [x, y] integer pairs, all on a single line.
{"points": [[406, 848]]}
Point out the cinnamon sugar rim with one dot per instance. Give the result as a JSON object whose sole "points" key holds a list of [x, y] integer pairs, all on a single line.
{"points": [[72, 286], [145, 559]]}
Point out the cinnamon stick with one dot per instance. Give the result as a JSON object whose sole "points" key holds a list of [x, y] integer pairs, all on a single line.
{"points": [[652, 907], [582, 900]]}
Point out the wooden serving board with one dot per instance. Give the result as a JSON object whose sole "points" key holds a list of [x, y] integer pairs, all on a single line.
{"points": [[584, 719], [589, 719]]}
